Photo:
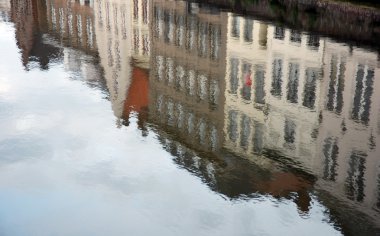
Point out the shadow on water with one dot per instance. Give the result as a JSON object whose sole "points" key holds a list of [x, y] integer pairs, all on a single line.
{"points": [[255, 100]]}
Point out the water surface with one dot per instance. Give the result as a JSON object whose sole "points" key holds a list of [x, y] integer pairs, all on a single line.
{"points": [[156, 117]]}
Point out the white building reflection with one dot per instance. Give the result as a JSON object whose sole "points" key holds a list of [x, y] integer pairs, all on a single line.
{"points": [[307, 101], [113, 29], [273, 75], [349, 130]]}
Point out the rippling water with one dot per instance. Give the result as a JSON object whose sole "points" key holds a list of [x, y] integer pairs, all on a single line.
{"points": [[154, 117]]}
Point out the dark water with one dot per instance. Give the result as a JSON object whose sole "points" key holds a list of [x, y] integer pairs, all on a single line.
{"points": [[152, 117]]}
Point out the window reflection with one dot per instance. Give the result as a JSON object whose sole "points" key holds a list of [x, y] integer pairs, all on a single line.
{"points": [[292, 95], [135, 9], [245, 131], [191, 83], [190, 122], [234, 80], [170, 112], [260, 85], [214, 92], [247, 81], [145, 11], [169, 70], [258, 138], [202, 39], [248, 30], [336, 86], [290, 131], [145, 46], [295, 36], [363, 93], [191, 38], [355, 176], [179, 80], [313, 41], [181, 116], [202, 87], [233, 125], [136, 40], [160, 67], [310, 87], [330, 153], [180, 30], [279, 33], [214, 138], [277, 78], [202, 131], [215, 42], [235, 26]]}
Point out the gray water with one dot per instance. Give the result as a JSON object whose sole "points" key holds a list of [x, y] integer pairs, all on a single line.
{"points": [[172, 118]]}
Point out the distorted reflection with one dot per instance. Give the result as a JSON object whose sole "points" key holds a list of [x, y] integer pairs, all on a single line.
{"points": [[248, 106]]}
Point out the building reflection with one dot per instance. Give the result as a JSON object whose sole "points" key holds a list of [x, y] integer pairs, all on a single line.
{"points": [[188, 103], [349, 127], [113, 33], [124, 47], [287, 97], [30, 21], [187, 72], [280, 114], [72, 23]]}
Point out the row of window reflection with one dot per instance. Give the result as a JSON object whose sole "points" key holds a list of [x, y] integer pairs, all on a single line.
{"points": [[144, 8], [355, 180], [114, 63], [141, 43], [247, 28], [246, 86], [187, 158], [248, 133], [75, 26], [364, 82], [279, 33], [236, 78], [115, 12], [197, 128], [296, 38], [189, 32], [184, 79], [244, 131]]}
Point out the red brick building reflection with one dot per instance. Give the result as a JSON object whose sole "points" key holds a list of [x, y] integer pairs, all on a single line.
{"points": [[138, 97]]}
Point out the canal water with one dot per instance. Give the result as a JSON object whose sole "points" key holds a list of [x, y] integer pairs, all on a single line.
{"points": [[155, 117]]}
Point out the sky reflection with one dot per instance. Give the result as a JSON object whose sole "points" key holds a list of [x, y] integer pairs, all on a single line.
{"points": [[95, 141]]}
